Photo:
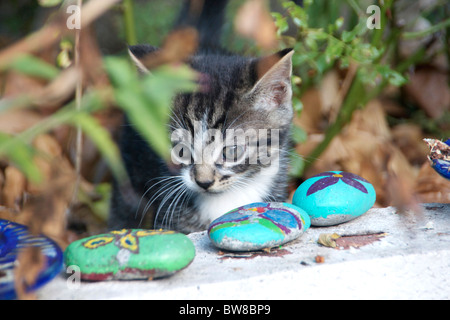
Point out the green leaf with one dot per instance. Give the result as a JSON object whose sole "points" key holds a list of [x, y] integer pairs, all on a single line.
{"points": [[21, 155], [365, 53], [394, 77], [280, 22], [297, 164], [147, 100], [318, 34], [49, 3], [334, 49], [120, 71], [33, 66], [298, 134], [146, 119], [358, 30], [322, 64], [339, 23], [100, 205], [297, 14], [102, 139], [311, 43]]}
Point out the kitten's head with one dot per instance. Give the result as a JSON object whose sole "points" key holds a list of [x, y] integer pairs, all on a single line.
{"points": [[236, 126]]}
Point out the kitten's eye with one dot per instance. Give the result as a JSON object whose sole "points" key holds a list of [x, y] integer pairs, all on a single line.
{"points": [[181, 154], [233, 153]]}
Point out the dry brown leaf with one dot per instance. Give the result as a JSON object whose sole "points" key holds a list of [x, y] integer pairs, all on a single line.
{"points": [[58, 91], [16, 121], [328, 239], [431, 187], [14, 188], [429, 88], [91, 60], [408, 138], [50, 34], [50, 155], [16, 84], [311, 119], [358, 240], [179, 45], [371, 119], [46, 212], [2, 182], [400, 193], [30, 263], [330, 98], [254, 21]]}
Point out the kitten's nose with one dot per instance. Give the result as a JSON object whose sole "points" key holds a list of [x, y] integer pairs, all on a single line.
{"points": [[204, 184]]}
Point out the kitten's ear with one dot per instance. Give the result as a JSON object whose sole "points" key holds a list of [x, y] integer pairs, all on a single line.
{"points": [[273, 86], [139, 51]]}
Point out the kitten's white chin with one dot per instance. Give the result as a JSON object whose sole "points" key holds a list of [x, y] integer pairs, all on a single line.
{"points": [[213, 205]]}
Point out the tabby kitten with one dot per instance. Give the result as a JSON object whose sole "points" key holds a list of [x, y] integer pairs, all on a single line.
{"points": [[230, 139]]}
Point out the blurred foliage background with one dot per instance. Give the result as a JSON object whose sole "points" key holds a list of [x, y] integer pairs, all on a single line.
{"points": [[364, 98]]}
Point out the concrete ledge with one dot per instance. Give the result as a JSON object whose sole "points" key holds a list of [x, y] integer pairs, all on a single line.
{"points": [[412, 261]]}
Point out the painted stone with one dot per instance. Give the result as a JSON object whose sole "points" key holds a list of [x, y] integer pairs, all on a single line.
{"points": [[439, 156], [257, 226], [13, 238], [334, 197], [130, 254]]}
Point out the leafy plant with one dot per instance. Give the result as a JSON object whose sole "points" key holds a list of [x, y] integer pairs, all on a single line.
{"points": [[145, 100], [328, 41]]}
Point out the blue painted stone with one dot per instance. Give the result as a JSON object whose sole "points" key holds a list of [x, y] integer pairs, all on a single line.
{"points": [[442, 166], [334, 197], [13, 238], [258, 225]]}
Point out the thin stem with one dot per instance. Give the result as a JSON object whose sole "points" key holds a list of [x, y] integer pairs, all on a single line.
{"points": [[422, 33], [378, 33], [79, 134], [128, 17], [355, 7]]}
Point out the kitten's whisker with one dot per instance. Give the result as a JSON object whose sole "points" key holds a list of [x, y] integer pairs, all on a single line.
{"points": [[163, 179], [245, 123], [166, 198], [181, 198], [173, 205], [167, 194], [178, 121], [236, 119], [187, 197], [163, 189]]}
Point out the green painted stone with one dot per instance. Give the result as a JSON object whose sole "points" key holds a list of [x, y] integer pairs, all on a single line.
{"points": [[130, 254]]}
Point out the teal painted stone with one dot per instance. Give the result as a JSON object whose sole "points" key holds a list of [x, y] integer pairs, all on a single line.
{"points": [[334, 197], [130, 254], [257, 226]]}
